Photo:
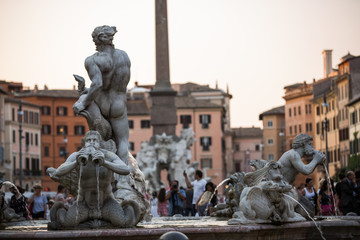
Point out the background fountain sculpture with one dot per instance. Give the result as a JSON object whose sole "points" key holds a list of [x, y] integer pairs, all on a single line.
{"points": [[267, 195], [104, 152], [166, 152]]}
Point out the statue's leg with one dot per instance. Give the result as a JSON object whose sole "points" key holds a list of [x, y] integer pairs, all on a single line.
{"points": [[123, 214], [73, 216], [120, 127], [96, 121]]}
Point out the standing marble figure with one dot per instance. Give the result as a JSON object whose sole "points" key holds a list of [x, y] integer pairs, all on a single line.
{"points": [[104, 103]]}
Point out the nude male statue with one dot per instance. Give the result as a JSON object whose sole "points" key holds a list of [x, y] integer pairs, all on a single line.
{"points": [[95, 197], [109, 71], [291, 160]]}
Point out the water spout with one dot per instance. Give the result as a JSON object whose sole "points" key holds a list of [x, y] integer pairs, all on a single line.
{"points": [[321, 233], [212, 195], [330, 187], [98, 186], [78, 193]]}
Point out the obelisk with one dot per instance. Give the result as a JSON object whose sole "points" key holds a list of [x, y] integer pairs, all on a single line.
{"points": [[163, 110]]}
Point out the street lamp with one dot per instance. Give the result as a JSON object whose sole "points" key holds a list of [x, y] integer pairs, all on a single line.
{"points": [[325, 104], [20, 114], [62, 130]]}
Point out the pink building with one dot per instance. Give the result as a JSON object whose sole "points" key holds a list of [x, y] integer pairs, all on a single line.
{"points": [[200, 107], [30, 143]]}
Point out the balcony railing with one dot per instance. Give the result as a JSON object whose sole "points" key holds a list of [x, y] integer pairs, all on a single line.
{"points": [[27, 172]]}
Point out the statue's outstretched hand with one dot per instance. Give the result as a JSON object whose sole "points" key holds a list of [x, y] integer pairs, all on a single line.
{"points": [[78, 107], [319, 157], [98, 158], [82, 157], [51, 171]]}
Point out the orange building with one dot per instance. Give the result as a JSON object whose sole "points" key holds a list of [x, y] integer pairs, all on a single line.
{"points": [[61, 130], [273, 133]]}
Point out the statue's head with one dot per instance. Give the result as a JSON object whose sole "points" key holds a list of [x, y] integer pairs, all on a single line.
{"points": [[303, 141], [92, 139], [103, 35]]}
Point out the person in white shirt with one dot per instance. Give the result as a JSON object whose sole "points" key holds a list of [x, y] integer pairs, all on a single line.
{"points": [[198, 186]]}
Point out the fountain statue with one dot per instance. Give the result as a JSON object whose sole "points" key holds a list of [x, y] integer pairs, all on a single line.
{"points": [[104, 152], [8, 214], [166, 152], [266, 195]]}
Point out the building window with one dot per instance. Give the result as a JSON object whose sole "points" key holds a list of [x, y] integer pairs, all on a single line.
{"points": [[79, 130], [270, 141], [309, 108], [62, 152], [271, 157], [131, 146], [310, 127], [14, 136], [31, 139], [131, 124], [31, 117], [294, 111], [317, 111], [205, 120], [306, 109], [295, 129], [289, 112], [27, 139], [145, 123], [299, 110], [205, 142], [270, 124], [237, 147], [206, 163], [26, 116], [257, 147], [46, 151], [61, 111], [27, 163], [14, 165], [300, 129], [185, 120], [36, 119], [13, 114], [61, 129], [46, 129], [45, 110]]}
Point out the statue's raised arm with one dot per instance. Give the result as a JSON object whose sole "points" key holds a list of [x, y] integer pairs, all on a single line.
{"points": [[292, 160]]}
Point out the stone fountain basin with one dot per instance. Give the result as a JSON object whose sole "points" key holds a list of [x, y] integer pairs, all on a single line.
{"points": [[195, 228]]}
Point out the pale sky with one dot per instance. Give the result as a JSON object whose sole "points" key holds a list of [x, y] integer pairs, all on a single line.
{"points": [[256, 47]]}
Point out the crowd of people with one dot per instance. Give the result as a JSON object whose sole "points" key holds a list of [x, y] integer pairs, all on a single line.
{"points": [[198, 199], [342, 198], [38, 206]]}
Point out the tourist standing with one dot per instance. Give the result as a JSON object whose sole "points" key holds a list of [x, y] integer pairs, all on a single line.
{"points": [[39, 206], [326, 199], [188, 202], [349, 189], [204, 204], [338, 191], [175, 196], [154, 205], [310, 193], [198, 185], [162, 203]]}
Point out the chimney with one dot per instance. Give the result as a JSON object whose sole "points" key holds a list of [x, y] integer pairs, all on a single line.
{"points": [[327, 59]]}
